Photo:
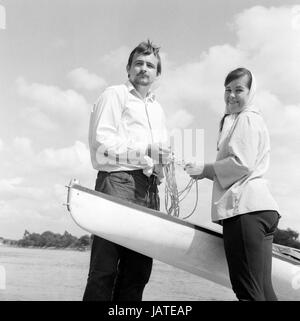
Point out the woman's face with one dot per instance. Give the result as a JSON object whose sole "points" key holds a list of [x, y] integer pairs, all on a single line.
{"points": [[236, 94]]}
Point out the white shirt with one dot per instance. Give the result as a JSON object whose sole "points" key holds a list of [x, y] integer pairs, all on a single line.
{"points": [[122, 124], [242, 160]]}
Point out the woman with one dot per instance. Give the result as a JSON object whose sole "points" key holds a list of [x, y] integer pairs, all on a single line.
{"points": [[241, 200]]}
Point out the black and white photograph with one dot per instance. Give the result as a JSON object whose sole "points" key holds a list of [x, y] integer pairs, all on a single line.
{"points": [[149, 151]]}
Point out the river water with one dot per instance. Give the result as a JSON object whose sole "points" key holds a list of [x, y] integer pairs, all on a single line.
{"points": [[28, 274]]}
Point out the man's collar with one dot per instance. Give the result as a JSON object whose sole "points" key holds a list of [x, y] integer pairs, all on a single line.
{"points": [[150, 94]]}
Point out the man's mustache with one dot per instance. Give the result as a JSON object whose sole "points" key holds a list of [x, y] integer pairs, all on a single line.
{"points": [[142, 73]]}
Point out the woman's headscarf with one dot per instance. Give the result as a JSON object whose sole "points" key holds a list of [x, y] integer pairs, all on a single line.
{"points": [[230, 116]]}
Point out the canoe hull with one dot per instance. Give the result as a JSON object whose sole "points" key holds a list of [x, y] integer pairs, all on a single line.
{"points": [[192, 248]]}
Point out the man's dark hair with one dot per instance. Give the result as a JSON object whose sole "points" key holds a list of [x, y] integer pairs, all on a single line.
{"points": [[146, 48]]}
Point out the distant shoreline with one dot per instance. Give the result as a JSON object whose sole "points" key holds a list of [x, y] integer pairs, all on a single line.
{"points": [[50, 240], [81, 249]]}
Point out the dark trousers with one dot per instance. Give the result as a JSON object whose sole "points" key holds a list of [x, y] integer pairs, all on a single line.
{"points": [[248, 242], [117, 273]]}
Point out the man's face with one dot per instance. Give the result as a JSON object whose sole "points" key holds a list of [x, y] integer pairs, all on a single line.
{"points": [[143, 70]]}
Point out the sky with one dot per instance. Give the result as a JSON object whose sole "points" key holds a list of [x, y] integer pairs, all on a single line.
{"points": [[56, 57]]}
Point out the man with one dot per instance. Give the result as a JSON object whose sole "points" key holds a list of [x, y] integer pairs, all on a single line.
{"points": [[126, 136]]}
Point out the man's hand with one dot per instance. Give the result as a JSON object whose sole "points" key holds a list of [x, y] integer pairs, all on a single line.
{"points": [[161, 154]]}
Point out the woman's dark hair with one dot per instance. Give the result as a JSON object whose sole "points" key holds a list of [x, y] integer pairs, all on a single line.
{"points": [[233, 75], [237, 73], [146, 48]]}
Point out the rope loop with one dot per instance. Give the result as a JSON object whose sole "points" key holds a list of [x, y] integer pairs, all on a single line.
{"points": [[174, 196]]}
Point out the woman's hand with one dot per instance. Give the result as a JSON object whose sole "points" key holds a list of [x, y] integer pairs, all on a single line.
{"points": [[197, 171], [197, 177], [194, 170]]}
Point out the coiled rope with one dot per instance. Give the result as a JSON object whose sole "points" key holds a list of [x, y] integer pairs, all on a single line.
{"points": [[172, 194]]}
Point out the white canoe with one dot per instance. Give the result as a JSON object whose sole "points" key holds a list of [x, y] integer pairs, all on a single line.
{"points": [[190, 247]]}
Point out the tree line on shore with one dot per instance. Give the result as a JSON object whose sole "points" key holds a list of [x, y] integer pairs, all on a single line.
{"points": [[47, 239], [287, 237]]}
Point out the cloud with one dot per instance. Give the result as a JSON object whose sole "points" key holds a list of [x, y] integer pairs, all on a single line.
{"points": [[64, 113], [9, 184], [180, 119], [58, 43], [23, 145], [70, 160], [13, 189], [34, 199], [113, 64], [21, 157], [116, 59], [261, 44], [267, 42], [271, 50], [36, 216], [52, 98], [82, 78], [268, 48], [197, 88], [54, 101], [39, 119]]}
